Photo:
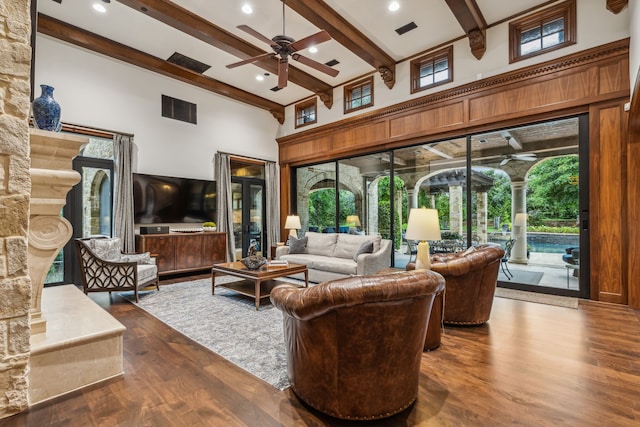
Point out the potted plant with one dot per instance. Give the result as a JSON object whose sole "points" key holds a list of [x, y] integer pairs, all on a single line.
{"points": [[209, 226]]}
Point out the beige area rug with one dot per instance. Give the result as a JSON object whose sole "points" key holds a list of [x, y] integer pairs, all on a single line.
{"points": [[569, 302]]}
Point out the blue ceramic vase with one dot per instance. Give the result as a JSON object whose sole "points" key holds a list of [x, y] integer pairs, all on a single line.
{"points": [[46, 111]]}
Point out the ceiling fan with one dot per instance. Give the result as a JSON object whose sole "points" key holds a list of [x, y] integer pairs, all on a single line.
{"points": [[285, 47], [527, 157]]}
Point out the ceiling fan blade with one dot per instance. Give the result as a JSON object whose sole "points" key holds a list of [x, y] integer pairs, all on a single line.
{"points": [[283, 73], [504, 162], [247, 29], [311, 40], [250, 60], [315, 64]]}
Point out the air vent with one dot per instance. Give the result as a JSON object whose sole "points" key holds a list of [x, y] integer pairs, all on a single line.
{"points": [[58, 1], [190, 63], [332, 62], [275, 89], [178, 109], [406, 28]]}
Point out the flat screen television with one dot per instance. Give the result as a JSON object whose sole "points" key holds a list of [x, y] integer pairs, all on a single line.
{"points": [[164, 199]]}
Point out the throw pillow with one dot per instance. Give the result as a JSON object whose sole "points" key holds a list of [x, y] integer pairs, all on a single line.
{"points": [[365, 248], [297, 246]]}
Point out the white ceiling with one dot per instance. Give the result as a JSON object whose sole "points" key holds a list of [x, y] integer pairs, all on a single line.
{"points": [[436, 25]]}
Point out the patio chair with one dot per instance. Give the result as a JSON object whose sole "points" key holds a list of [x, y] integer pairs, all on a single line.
{"points": [[412, 249], [504, 263]]}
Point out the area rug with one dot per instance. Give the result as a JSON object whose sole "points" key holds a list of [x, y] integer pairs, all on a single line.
{"points": [[560, 301], [226, 323], [521, 276]]}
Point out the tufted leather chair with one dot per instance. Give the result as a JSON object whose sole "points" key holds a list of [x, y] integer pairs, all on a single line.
{"points": [[354, 345], [471, 278]]}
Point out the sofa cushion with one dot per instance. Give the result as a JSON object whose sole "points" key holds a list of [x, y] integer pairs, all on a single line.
{"points": [[365, 248], [321, 243], [297, 246], [348, 244], [106, 249], [336, 265]]}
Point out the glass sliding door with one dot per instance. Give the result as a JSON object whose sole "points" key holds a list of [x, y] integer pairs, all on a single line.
{"points": [[316, 199], [529, 203], [248, 202]]}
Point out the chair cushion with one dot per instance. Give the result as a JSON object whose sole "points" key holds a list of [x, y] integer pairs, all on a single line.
{"points": [[106, 249], [146, 273], [297, 246]]}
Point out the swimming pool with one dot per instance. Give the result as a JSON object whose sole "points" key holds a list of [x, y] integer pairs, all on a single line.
{"points": [[549, 248]]}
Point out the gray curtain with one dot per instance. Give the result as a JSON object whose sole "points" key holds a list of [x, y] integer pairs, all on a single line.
{"points": [[272, 178], [123, 197], [224, 222]]}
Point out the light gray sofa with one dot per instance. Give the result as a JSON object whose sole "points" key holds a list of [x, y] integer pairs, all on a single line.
{"points": [[330, 256]]}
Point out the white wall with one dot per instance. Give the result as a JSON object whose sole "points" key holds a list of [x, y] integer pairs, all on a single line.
{"points": [[596, 26], [634, 50], [96, 91]]}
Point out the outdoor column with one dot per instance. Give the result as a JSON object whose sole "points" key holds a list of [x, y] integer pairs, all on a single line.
{"points": [[412, 198], [372, 208], [455, 209], [518, 205], [481, 214], [432, 201]]}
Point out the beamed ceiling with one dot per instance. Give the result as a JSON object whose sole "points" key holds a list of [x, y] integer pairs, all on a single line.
{"points": [[364, 41]]}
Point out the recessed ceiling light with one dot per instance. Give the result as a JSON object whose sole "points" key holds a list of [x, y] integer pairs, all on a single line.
{"points": [[259, 77], [98, 7], [246, 8], [393, 6], [313, 49]]}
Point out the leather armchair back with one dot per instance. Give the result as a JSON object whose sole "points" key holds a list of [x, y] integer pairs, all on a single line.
{"points": [[354, 345], [471, 283]]}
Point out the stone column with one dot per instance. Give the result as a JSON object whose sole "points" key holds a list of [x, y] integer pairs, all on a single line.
{"points": [[481, 216], [518, 204], [372, 208], [52, 177], [15, 284], [455, 209], [412, 198]]}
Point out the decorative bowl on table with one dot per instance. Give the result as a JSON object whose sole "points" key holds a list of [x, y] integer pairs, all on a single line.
{"points": [[254, 262]]}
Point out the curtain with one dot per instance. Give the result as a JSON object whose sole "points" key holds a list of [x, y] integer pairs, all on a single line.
{"points": [[123, 197], [224, 222], [272, 178]]}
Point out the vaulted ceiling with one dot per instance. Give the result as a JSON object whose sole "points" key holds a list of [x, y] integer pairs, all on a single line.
{"points": [[364, 40]]}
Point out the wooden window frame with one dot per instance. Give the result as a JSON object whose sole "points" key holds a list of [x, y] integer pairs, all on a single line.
{"points": [[417, 64], [348, 94], [300, 107], [565, 10]]}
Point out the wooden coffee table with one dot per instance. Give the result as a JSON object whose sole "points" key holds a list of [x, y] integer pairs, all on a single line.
{"points": [[257, 283]]}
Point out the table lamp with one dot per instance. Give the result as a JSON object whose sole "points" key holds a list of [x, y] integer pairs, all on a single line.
{"points": [[353, 221], [293, 224], [423, 225], [520, 220]]}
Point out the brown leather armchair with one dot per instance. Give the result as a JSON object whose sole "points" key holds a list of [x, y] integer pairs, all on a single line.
{"points": [[471, 278], [354, 345]]}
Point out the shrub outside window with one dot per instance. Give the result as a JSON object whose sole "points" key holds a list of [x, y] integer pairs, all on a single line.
{"points": [[432, 70], [547, 30], [358, 95], [306, 113]]}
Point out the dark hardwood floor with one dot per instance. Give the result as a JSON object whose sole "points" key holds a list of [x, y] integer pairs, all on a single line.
{"points": [[531, 365]]}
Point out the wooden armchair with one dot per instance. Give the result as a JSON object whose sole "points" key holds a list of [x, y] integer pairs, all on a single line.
{"points": [[104, 268]]}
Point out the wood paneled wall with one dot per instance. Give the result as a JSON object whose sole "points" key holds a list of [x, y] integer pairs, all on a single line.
{"points": [[594, 81]]}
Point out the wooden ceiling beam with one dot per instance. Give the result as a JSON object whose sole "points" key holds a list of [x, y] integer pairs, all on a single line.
{"points": [[186, 21], [616, 6], [322, 16], [472, 22], [79, 37]]}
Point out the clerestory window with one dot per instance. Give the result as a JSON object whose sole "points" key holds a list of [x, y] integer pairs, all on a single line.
{"points": [[306, 113], [358, 95], [432, 70]]}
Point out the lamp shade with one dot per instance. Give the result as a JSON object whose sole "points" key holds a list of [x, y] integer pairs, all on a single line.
{"points": [[520, 220], [293, 222], [423, 225], [353, 220]]}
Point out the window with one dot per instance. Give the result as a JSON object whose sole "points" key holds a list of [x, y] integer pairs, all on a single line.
{"points": [[358, 95], [547, 30], [432, 70], [306, 113]]}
